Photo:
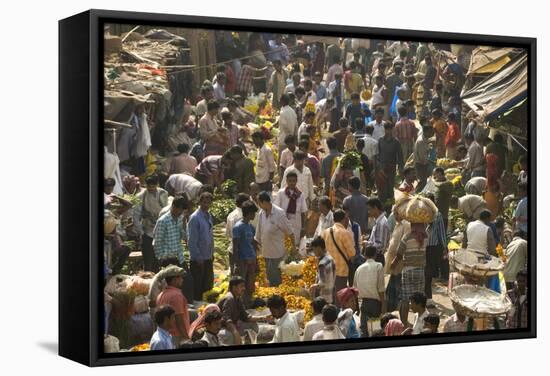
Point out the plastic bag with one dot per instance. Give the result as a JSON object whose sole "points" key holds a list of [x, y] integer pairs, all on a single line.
{"points": [[111, 344]]}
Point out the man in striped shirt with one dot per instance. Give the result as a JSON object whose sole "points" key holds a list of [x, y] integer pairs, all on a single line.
{"points": [[380, 233], [436, 251], [246, 75], [406, 133]]}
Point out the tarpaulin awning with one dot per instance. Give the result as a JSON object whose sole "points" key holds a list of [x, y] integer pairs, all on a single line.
{"points": [[486, 60], [500, 91]]}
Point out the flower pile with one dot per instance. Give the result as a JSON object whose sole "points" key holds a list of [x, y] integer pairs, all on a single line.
{"points": [[142, 347], [295, 289]]}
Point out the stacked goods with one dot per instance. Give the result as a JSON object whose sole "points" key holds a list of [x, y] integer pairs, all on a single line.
{"points": [[153, 70], [416, 209]]}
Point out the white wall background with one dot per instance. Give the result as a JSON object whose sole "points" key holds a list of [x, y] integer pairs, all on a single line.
{"points": [[28, 120]]}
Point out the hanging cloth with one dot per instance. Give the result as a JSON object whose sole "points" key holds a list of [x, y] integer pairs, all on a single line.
{"points": [[111, 169]]}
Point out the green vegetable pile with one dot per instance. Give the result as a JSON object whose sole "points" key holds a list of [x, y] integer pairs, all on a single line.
{"points": [[221, 245], [229, 188], [351, 160], [221, 207], [456, 219]]}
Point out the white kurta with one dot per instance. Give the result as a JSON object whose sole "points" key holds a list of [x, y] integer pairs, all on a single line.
{"points": [[282, 200], [305, 181]]}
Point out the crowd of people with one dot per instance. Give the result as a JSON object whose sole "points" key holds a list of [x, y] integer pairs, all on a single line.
{"points": [[391, 107]]}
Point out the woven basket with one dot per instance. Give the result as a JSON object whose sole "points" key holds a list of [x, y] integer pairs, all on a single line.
{"points": [[469, 263], [479, 302]]}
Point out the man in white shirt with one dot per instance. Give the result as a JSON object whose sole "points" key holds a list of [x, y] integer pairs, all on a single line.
{"points": [[219, 87], [292, 201], [479, 237], [286, 326], [265, 163], [316, 323], [330, 329], [378, 124], [288, 121], [183, 183], [305, 179], [371, 144], [326, 219], [369, 280], [371, 151], [273, 226]]}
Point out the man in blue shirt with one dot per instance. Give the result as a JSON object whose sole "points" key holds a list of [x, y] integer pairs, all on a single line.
{"points": [[201, 246], [520, 214], [320, 88], [244, 249], [165, 318], [278, 50]]}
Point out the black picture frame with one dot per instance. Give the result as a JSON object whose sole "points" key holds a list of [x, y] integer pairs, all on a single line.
{"points": [[80, 164]]}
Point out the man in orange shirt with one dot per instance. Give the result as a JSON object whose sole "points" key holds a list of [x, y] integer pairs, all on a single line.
{"points": [[340, 246], [172, 295]]}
